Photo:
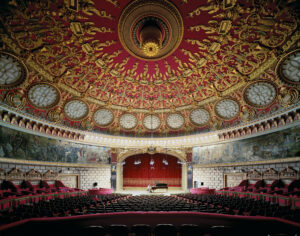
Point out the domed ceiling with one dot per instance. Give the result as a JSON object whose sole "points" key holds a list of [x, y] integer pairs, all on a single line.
{"points": [[152, 67]]}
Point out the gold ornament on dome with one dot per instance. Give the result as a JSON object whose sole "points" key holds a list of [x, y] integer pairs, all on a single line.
{"points": [[16, 99], [215, 124], [247, 114], [151, 150], [288, 96], [87, 124], [55, 114], [150, 47], [151, 40], [76, 46], [150, 30]]}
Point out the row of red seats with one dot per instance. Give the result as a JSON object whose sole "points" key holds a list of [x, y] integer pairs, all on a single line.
{"points": [[153, 224], [234, 205], [9, 189], [58, 207], [260, 186]]}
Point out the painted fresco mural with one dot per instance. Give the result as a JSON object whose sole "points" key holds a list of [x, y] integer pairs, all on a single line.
{"points": [[19, 145], [282, 144]]}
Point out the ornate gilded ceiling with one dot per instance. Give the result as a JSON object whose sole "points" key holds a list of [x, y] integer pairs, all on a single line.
{"points": [[90, 64]]}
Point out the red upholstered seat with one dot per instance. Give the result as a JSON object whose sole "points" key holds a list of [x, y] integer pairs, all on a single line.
{"points": [[15, 189], [61, 187], [118, 230], [241, 187], [220, 230], [48, 187], [257, 185], [2, 194], [35, 189], [89, 230], [203, 190], [165, 229], [190, 230], [99, 191], [141, 230], [265, 189], [269, 188], [288, 189], [7, 193]]}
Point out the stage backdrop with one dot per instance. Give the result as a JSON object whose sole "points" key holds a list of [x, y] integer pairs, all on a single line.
{"points": [[140, 175]]}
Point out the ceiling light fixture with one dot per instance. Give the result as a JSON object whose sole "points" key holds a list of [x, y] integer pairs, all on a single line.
{"points": [[151, 39]]}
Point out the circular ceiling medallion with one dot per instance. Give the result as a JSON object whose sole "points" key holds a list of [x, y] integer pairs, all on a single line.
{"points": [[43, 95], [128, 121], [12, 70], [227, 109], [103, 117], [199, 116], [289, 68], [175, 121], [76, 109], [150, 30], [260, 94], [151, 122]]}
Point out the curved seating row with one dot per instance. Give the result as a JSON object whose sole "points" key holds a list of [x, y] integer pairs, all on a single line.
{"points": [[12, 194], [203, 190], [9, 188], [260, 186], [126, 203], [14, 201], [170, 223], [99, 191], [52, 207], [240, 206]]}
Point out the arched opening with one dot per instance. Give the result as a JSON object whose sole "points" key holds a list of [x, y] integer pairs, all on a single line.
{"points": [[143, 169]]}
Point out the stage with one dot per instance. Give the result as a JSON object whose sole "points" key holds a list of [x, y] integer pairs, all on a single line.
{"points": [[143, 190]]}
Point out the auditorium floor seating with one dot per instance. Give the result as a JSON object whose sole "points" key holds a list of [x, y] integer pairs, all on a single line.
{"points": [[103, 212], [110, 203], [262, 204]]}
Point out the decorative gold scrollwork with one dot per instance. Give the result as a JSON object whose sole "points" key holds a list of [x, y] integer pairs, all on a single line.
{"points": [[288, 96]]}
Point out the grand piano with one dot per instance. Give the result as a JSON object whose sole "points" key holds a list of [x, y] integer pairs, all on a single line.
{"points": [[159, 186]]}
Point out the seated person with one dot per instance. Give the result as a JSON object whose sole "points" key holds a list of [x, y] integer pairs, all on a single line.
{"points": [[149, 188], [95, 185]]}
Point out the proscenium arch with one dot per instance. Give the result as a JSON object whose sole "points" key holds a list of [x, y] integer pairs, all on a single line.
{"points": [[122, 156], [129, 153]]}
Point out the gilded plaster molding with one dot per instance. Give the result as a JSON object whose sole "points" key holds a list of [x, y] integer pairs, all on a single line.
{"points": [[123, 154], [283, 160], [45, 163], [137, 142], [39, 69]]}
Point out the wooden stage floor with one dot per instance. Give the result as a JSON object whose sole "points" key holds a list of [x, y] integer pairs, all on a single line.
{"points": [[143, 191]]}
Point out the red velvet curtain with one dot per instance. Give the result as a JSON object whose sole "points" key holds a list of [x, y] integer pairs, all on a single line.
{"points": [[143, 174]]}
